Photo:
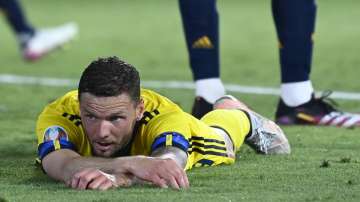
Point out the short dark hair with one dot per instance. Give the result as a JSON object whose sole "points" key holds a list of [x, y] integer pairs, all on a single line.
{"points": [[106, 77]]}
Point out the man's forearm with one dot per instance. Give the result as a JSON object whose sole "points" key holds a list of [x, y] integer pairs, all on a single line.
{"points": [[108, 165], [63, 164]]}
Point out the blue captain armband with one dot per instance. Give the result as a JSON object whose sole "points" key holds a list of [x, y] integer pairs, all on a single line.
{"points": [[170, 139], [49, 146]]}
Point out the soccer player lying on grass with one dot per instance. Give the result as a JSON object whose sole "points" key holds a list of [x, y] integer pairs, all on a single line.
{"points": [[110, 133]]}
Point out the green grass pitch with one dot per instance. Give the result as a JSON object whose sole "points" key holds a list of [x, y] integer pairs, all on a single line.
{"points": [[324, 164]]}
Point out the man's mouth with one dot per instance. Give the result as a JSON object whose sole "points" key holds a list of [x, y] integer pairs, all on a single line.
{"points": [[103, 146]]}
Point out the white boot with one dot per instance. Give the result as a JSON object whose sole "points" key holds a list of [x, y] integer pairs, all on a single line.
{"points": [[47, 40]]}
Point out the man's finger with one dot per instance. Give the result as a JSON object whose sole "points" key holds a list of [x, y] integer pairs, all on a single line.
{"points": [[75, 180], [88, 177], [109, 176], [173, 183], [160, 182], [170, 178], [106, 185], [97, 181], [176, 176], [183, 180]]}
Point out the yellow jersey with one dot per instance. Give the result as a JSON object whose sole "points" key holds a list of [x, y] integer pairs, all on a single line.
{"points": [[163, 124]]}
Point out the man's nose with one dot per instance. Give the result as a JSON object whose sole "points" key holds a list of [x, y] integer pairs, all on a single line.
{"points": [[104, 129]]}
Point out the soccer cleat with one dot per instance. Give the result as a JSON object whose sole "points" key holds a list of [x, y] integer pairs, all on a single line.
{"points": [[201, 107], [318, 111], [47, 40], [266, 137]]}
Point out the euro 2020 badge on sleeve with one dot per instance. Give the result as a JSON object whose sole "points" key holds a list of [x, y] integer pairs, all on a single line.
{"points": [[55, 133]]}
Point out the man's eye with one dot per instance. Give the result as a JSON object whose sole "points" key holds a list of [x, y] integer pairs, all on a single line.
{"points": [[117, 118]]}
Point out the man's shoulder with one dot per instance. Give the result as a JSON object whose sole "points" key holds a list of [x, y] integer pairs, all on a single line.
{"points": [[71, 96], [66, 106]]}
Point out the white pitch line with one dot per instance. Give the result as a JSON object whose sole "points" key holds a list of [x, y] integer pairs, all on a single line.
{"points": [[42, 81], [260, 90]]}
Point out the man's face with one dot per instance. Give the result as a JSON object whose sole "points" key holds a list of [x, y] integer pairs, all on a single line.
{"points": [[109, 121]]}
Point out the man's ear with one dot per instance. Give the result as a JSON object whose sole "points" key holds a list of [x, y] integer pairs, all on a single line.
{"points": [[140, 108]]}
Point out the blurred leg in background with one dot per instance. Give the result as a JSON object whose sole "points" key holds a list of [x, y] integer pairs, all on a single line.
{"points": [[35, 43], [201, 28], [295, 25]]}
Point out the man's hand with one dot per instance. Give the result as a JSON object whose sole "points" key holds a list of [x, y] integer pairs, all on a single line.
{"points": [[90, 178], [161, 172]]}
